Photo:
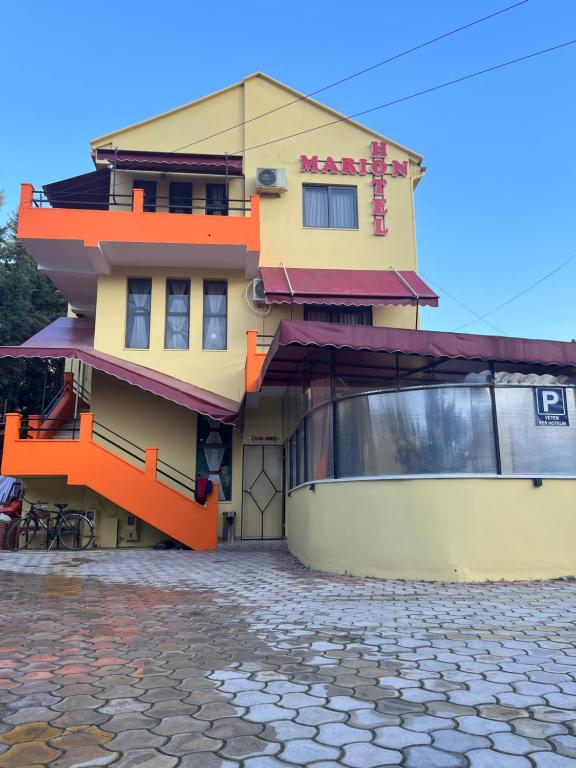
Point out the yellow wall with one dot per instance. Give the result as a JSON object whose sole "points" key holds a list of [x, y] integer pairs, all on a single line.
{"points": [[441, 529], [109, 521], [214, 370], [283, 237]]}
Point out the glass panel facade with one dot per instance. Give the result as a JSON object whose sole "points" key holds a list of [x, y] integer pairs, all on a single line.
{"points": [[527, 448]]}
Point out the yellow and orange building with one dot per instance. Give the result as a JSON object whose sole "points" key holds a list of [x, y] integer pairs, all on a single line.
{"points": [[244, 306]]}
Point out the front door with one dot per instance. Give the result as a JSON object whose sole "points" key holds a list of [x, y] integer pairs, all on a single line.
{"points": [[263, 492]]}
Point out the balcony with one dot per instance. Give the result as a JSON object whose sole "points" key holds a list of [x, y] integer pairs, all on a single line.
{"points": [[74, 243]]}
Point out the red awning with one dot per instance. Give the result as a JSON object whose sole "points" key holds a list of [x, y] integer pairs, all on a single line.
{"points": [[171, 162], [59, 340], [345, 287], [295, 342]]}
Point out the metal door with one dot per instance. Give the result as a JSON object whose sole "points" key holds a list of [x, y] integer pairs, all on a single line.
{"points": [[263, 492]]}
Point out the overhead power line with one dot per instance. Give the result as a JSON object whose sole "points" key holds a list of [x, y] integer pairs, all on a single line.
{"points": [[357, 74], [477, 315], [520, 294], [411, 96]]}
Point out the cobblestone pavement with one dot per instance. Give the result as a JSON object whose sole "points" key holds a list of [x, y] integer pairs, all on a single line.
{"points": [[242, 657]]}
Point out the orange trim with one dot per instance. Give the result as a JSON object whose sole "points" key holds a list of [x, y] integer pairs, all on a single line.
{"points": [[254, 362], [139, 492], [136, 226]]}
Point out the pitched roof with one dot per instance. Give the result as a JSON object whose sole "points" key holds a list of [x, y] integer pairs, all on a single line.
{"points": [[99, 141]]}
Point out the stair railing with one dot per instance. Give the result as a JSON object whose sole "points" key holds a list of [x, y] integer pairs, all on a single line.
{"points": [[139, 454]]}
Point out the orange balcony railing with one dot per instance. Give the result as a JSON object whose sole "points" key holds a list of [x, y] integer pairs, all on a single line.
{"points": [[131, 220], [256, 350]]}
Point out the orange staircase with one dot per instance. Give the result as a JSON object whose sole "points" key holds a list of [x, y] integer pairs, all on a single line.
{"points": [[138, 491], [58, 414]]}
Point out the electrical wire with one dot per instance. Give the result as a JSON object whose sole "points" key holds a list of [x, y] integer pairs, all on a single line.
{"points": [[357, 74], [521, 293], [477, 315], [411, 96]]}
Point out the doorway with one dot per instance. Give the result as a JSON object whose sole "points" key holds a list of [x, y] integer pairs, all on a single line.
{"points": [[263, 492]]}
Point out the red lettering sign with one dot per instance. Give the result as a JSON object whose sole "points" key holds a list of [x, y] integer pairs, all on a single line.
{"points": [[329, 166], [379, 167], [399, 168], [309, 164], [379, 148], [378, 185], [348, 166], [379, 228], [379, 206]]}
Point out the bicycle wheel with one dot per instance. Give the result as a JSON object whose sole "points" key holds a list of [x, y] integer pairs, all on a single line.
{"points": [[74, 531], [21, 533]]}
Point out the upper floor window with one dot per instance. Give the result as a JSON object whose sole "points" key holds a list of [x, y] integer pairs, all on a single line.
{"points": [[216, 204], [180, 200], [330, 207], [343, 315], [177, 314], [149, 188], [215, 314], [138, 313]]}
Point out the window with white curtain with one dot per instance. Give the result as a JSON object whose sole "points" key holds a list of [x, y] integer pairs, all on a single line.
{"points": [[330, 207], [138, 312], [215, 314], [176, 335]]}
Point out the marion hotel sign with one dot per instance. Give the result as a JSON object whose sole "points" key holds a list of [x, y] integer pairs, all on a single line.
{"points": [[378, 166]]}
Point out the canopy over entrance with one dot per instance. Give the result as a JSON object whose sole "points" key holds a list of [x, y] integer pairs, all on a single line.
{"points": [[362, 355]]}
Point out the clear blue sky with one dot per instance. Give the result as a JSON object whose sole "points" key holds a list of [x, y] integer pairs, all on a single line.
{"points": [[497, 209]]}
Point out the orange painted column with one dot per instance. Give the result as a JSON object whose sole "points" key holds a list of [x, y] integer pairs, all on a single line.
{"points": [[137, 200], [254, 362]]}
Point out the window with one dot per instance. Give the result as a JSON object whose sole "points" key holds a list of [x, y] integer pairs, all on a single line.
{"points": [[330, 207], [216, 203], [138, 313], [180, 193], [343, 315], [214, 454], [177, 330], [149, 188], [215, 314]]}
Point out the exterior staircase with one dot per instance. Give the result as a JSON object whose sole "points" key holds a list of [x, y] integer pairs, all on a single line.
{"points": [[139, 491]]}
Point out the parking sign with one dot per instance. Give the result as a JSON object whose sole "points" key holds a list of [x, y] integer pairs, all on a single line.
{"points": [[551, 407]]}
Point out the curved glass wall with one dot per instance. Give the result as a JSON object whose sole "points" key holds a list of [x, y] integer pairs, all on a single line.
{"points": [[437, 430]]}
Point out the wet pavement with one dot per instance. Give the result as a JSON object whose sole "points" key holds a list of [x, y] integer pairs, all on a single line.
{"points": [[243, 657]]}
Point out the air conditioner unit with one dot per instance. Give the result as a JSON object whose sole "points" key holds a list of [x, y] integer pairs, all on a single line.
{"points": [[258, 296], [271, 181]]}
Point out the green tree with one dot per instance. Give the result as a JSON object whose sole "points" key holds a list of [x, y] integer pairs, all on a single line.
{"points": [[28, 302]]}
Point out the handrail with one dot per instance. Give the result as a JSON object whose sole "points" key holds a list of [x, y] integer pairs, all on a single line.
{"points": [[53, 403], [142, 458]]}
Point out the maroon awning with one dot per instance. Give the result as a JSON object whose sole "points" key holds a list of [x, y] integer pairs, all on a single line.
{"points": [[345, 287], [59, 339], [87, 191], [171, 162], [297, 343]]}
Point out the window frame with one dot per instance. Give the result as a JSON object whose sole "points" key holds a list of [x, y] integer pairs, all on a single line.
{"points": [[212, 206], [129, 313], [330, 187], [332, 310], [226, 431], [206, 315], [151, 205], [168, 314], [173, 207]]}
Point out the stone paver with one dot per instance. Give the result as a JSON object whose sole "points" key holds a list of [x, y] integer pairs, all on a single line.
{"points": [[243, 658]]}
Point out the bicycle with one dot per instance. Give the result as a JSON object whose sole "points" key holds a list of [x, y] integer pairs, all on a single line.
{"points": [[71, 529]]}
